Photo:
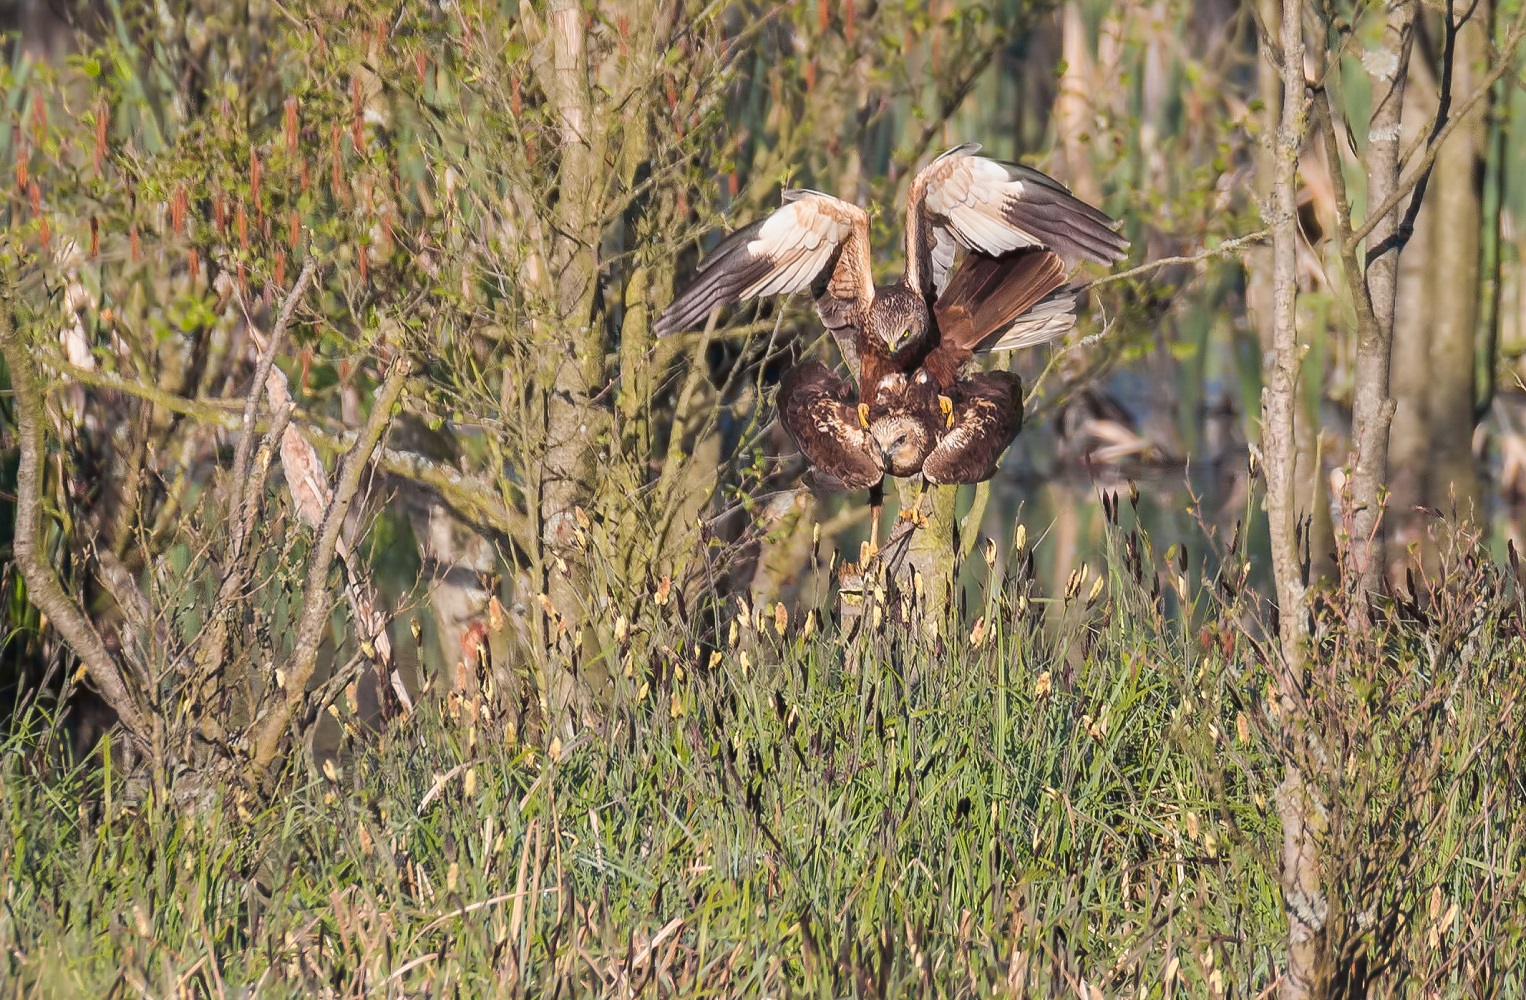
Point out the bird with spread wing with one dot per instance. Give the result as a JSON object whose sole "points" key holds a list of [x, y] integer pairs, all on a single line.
{"points": [[1021, 233]]}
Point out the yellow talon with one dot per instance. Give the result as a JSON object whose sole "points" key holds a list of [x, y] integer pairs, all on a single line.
{"points": [[946, 407], [914, 515], [863, 414]]}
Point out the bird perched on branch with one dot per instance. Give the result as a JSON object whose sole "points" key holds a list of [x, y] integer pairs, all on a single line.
{"points": [[906, 344]]}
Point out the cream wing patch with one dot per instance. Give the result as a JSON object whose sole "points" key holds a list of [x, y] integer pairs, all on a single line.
{"points": [[800, 239]]}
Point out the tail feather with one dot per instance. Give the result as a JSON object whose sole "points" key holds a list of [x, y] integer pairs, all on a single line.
{"points": [[987, 295], [1051, 319]]}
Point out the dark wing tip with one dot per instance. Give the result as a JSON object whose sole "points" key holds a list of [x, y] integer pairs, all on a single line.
{"points": [[963, 149], [791, 195], [667, 324]]}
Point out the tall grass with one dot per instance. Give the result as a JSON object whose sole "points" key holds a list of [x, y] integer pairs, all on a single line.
{"points": [[1072, 795]]}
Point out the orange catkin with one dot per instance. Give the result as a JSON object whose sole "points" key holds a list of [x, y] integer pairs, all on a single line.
{"points": [[44, 232], [293, 229], [34, 197], [421, 66], [219, 213], [337, 180], [280, 267], [823, 18], [291, 125], [364, 259], [847, 20], [255, 172], [95, 237], [358, 124], [177, 210], [193, 262], [242, 225], [102, 119], [132, 243]]}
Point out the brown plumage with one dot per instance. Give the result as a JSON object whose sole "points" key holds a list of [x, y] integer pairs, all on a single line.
{"points": [[989, 209], [905, 421], [999, 303], [987, 414], [818, 410], [907, 432]]}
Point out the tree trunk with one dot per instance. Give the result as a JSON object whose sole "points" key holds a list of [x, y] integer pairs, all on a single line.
{"points": [[1409, 447], [1279, 397], [574, 425], [1073, 107], [933, 554], [1372, 406], [1259, 294], [1302, 898], [1458, 247]]}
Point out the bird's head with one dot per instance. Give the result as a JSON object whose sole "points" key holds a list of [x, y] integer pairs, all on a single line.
{"points": [[901, 319], [902, 441]]}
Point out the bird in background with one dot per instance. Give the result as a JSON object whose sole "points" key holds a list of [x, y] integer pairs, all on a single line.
{"points": [[906, 344]]}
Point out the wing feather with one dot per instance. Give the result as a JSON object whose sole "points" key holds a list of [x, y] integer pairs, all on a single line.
{"points": [[815, 407], [997, 207], [1001, 303], [1052, 318], [810, 236], [988, 413]]}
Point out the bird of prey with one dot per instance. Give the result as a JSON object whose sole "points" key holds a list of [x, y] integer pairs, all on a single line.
{"points": [[913, 429], [1022, 232]]}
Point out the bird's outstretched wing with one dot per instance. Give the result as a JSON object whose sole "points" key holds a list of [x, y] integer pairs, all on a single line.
{"points": [[816, 408], [964, 200], [1003, 303], [814, 241], [988, 413]]}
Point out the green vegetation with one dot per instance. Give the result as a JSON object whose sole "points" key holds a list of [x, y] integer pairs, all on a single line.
{"points": [[803, 813], [388, 612]]}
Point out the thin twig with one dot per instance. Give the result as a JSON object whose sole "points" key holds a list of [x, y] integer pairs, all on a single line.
{"points": [[1227, 247], [1433, 149]]}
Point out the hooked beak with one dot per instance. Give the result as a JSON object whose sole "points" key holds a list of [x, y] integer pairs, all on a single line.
{"points": [[896, 339]]}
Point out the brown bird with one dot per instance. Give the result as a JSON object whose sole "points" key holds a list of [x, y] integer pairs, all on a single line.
{"points": [[1022, 232], [906, 343], [913, 430], [986, 416]]}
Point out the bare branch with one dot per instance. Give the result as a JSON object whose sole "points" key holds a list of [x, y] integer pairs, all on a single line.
{"points": [[1414, 177], [261, 372], [473, 496], [43, 588], [1227, 247], [270, 730]]}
